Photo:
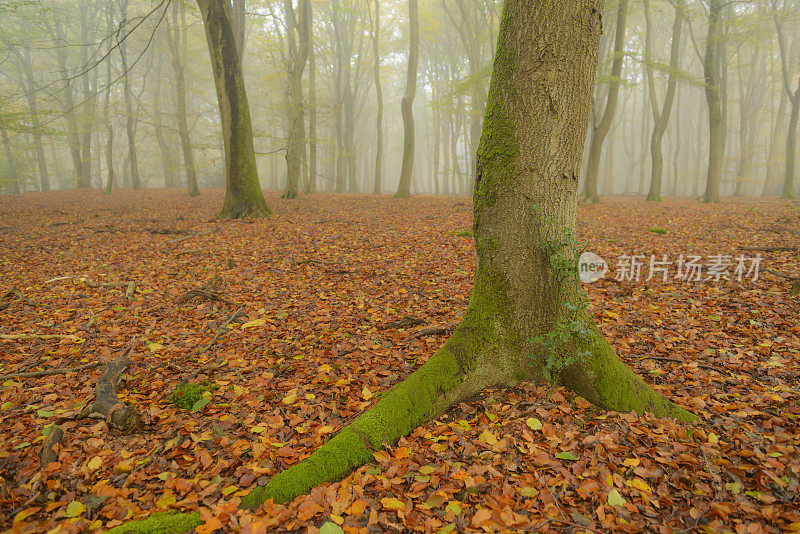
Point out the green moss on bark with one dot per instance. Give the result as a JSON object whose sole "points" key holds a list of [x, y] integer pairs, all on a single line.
{"points": [[161, 523]]}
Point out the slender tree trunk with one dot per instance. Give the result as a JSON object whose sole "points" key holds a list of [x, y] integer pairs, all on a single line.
{"points": [[601, 129], [243, 197], [661, 117], [312, 105], [130, 121], [239, 23], [771, 178], [12, 163], [30, 90], [164, 146], [446, 153], [298, 57], [110, 178], [711, 71], [791, 146], [406, 106], [376, 72]]}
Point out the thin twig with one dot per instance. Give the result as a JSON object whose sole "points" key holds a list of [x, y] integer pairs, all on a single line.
{"points": [[50, 372], [222, 328]]}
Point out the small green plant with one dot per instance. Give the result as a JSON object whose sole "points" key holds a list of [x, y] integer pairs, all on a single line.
{"points": [[553, 345], [657, 230], [465, 233], [190, 396]]}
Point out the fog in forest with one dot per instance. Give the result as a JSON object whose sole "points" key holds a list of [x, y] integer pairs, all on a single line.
{"points": [[121, 94]]}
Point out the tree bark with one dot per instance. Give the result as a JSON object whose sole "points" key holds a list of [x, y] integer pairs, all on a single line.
{"points": [[661, 116], [711, 71], [130, 122], [601, 129], [30, 90], [376, 70], [406, 106], [794, 100], [312, 105], [12, 162], [243, 197], [298, 57], [164, 145], [525, 203]]}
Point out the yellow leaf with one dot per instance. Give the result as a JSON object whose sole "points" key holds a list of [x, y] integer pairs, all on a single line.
{"points": [[641, 485], [713, 438], [154, 347], [74, 509], [95, 463], [254, 323], [488, 438], [166, 500], [26, 513], [288, 399], [390, 503], [615, 499], [366, 393], [229, 490], [533, 423]]}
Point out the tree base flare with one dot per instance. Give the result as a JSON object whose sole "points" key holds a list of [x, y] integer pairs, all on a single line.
{"points": [[249, 210]]}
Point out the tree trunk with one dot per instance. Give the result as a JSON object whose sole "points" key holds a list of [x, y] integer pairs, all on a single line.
{"points": [[31, 89], [526, 192], [661, 116], [711, 64], [239, 23], [771, 178], [243, 197], [312, 105], [130, 116], [298, 56], [601, 129], [404, 187], [376, 70], [12, 162], [791, 146], [164, 146]]}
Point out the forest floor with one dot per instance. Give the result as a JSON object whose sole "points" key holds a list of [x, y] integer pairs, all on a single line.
{"points": [[320, 288]]}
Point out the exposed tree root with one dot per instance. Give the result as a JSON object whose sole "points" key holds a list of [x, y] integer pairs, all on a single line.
{"points": [[8, 298], [405, 322], [106, 404], [431, 331]]}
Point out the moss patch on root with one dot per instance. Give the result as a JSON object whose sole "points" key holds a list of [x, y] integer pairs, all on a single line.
{"points": [[161, 523]]}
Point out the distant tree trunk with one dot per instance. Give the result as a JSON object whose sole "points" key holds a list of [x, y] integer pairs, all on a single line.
{"points": [[338, 101], [177, 38], [90, 98], [711, 71], [164, 146], [794, 100], [601, 129], [446, 153], [243, 197], [131, 117], [110, 178], [298, 56], [676, 154], [30, 93], [376, 70], [312, 105], [771, 177], [404, 188], [436, 148], [661, 117], [12, 162], [73, 137]]}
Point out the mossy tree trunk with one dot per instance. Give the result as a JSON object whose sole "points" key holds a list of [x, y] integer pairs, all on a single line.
{"points": [[794, 100], [601, 129], [661, 116], [407, 104], [243, 197], [525, 205]]}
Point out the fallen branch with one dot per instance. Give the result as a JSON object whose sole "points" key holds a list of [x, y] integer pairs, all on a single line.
{"points": [[8, 298], [51, 372], [106, 404], [781, 275], [317, 262], [770, 249], [432, 331], [208, 292], [222, 329], [130, 287], [187, 252], [28, 337], [47, 454], [405, 322]]}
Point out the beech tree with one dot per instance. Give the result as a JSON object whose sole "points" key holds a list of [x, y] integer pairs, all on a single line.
{"points": [[528, 316], [404, 188], [243, 197]]}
